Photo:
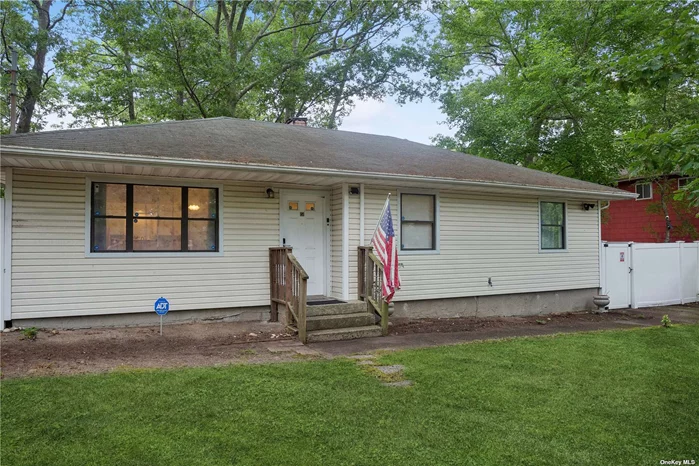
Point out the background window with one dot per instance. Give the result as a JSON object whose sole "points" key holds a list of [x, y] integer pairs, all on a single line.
{"points": [[683, 182], [644, 191], [417, 222], [553, 220], [139, 218]]}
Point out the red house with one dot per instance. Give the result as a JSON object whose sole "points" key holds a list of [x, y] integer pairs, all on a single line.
{"points": [[643, 221]]}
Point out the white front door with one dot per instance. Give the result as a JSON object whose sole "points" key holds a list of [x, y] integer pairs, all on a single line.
{"points": [[303, 229]]}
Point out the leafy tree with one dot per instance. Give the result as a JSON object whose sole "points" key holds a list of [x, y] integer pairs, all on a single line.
{"points": [[661, 77], [157, 60], [30, 28], [102, 72], [547, 85]]}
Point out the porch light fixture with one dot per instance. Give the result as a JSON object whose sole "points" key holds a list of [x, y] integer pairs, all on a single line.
{"points": [[270, 193], [587, 206], [194, 207]]}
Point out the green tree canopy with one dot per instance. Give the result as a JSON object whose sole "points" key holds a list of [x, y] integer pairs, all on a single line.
{"points": [[560, 86]]}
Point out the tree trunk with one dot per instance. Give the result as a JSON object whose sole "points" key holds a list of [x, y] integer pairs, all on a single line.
{"points": [[665, 190], [34, 81], [130, 91]]}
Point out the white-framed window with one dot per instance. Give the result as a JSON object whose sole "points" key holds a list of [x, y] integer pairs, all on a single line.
{"points": [[138, 218], [644, 191], [419, 222], [552, 226], [683, 182]]}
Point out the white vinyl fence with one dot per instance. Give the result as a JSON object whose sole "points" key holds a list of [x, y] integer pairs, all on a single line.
{"points": [[649, 274]]}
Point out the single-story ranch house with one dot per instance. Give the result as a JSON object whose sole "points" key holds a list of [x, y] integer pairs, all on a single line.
{"points": [[99, 223]]}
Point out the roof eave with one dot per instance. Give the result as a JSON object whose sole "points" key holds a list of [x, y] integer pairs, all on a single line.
{"points": [[160, 161]]}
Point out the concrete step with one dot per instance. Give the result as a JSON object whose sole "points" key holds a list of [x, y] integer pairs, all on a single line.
{"points": [[353, 307], [358, 319], [344, 333]]}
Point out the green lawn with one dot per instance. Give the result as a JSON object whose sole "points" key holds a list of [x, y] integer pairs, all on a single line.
{"points": [[623, 397]]}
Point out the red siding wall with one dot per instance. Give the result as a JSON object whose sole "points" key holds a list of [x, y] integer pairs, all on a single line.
{"points": [[630, 221]]}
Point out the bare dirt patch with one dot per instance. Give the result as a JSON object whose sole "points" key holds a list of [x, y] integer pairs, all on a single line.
{"points": [[98, 350], [66, 352], [405, 326]]}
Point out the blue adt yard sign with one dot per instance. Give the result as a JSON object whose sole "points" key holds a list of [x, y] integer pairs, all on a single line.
{"points": [[161, 307]]}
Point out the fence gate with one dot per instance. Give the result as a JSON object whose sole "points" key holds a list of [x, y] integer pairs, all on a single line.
{"points": [[616, 262]]}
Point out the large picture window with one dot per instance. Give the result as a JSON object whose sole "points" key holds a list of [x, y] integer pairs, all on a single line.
{"points": [[418, 222], [142, 218], [553, 225]]}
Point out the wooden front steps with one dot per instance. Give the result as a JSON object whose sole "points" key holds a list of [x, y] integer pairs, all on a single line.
{"points": [[345, 321]]}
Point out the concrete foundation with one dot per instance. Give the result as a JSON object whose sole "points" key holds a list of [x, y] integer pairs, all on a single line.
{"points": [[520, 304], [142, 319]]}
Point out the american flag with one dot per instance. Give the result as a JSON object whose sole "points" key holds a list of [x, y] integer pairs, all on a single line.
{"points": [[385, 248]]}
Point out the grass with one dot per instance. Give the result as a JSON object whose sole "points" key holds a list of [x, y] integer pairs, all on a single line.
{"points": [[622, 397]]}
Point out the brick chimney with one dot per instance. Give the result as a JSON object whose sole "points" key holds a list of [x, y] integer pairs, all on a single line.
{"points": [[297, 121]]}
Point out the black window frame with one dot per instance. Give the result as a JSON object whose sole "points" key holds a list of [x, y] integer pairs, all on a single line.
{"points": [[562, 226], [433, 222], [130, 217]]}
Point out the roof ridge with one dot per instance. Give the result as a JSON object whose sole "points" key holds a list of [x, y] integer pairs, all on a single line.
{"points": [[136, 125]]}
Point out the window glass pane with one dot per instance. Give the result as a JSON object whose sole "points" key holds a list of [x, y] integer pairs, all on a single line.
{"points": [[202, 203], [417, 236], [551, 238], [310, 206], [417, 207], [157, 201], [293, 205], [552, 213], [201, 235], [643, 190], [157, 235], [109, 234], [109, 199]]}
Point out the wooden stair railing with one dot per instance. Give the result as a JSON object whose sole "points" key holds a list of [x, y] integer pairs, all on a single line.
{"points": [[370, 284], [288, 286]]}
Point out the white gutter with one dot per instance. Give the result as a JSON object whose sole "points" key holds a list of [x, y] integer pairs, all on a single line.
{"points": [[157, 161]]}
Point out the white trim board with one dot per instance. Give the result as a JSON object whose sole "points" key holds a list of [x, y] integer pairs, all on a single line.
{"points": [[345, 241], [7, 249]]}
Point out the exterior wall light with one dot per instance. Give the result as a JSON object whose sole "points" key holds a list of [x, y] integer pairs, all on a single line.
{"points": [[270, 193]]}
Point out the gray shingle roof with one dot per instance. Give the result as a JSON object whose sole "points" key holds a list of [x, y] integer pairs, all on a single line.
{"points": [[231, 140]]}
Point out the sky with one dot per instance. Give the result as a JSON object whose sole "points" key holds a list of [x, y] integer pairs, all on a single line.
{"points": [[416, 122]]}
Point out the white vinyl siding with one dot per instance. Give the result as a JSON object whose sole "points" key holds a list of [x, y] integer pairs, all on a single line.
{"points": [[493, 237], [53, 277]]}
